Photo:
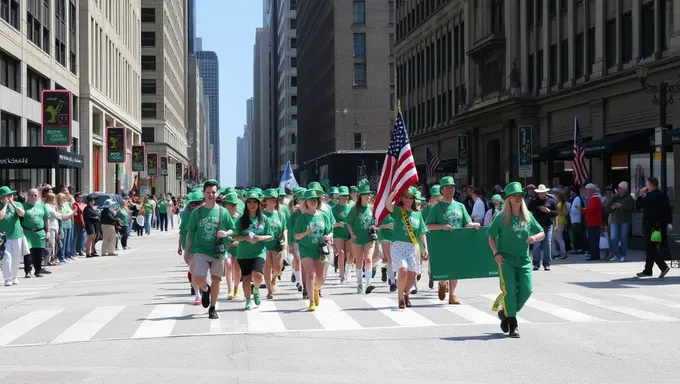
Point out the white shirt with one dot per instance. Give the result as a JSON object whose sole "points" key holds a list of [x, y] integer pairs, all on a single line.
{"points": [[488, 216], [478, 211], [575, 210], [54, 217]]}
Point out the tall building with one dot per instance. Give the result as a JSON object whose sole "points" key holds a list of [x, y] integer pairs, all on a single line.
{"points": [[209, 68], [196, 120], [273, 28], [248, 140], [286, 85], [261, 134], [345, 88], [240, 160], [164, 58], [40, 50], [191, 26], [464, 70]]}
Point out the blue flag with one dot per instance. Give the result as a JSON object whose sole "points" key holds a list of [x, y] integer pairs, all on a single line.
{"points": [[288, 178]]}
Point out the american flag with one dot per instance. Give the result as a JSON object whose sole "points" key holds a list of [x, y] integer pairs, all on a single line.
{"points": [[581, 175], [399, 170], [431, 163]]}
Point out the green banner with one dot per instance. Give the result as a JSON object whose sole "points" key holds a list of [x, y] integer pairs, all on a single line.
{"points": [[164, 165], [115, 145], [152, 164], [56, 120], [178, 171], [138, 164], [461, 254]]}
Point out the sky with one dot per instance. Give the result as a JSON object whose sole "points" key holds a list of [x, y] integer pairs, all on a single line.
{"points": [[228, 28]]}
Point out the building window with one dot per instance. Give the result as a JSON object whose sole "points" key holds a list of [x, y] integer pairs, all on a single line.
{"points": [[647, 30], [148, 39], [610, 43], [148, 134], [73, 45], [35, 84], [9, 72], [359, 12], [293, 81], [148, 15], [293, 117], [149, 110], [627, 37], [393, 101], [293, 42], [293, 101], [293, 62], [359, 44], [9, 11], [293, 5], [148, 63], [390, 6], [292, 23], [9, 130], [358, 141], [498, 17], [591, 48], [149, 86], [33, 134], [578, 56], [37, 29], [359, 74], [552, 69], [564, 59]]}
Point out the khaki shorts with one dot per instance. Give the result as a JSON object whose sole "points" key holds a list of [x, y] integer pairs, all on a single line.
{"points": [[204, 263]]}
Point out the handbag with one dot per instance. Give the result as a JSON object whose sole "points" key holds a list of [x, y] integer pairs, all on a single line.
{"points": [[604, 242], [656, 236]]}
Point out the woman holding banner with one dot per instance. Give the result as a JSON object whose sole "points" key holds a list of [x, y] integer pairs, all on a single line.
{"points": [[510, 234], [405, 250]]}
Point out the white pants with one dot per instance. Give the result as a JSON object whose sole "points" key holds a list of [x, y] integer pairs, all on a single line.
{"points": [[13, 256]]}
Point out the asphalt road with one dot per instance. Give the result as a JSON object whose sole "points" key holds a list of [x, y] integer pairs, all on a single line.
{"points": [[129, 319]]}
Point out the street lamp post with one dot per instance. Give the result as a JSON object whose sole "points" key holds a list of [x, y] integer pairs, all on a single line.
{"points": [[662, 96]]}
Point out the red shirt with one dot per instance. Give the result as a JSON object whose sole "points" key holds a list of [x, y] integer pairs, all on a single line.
{"points": [[78, 215], [593, 211]]}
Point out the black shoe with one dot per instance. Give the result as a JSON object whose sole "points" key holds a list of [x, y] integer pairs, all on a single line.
{"points": [[370, 288], [292, 277], [513, 328], [383, 274], [418, 277], [393, 287], [664, 272], [374, 270], [299, 287], [212, 313], [504, 321], [38, 274], [304, 293], [414, 291], [535, 268], [546, 268], [28, 275], [591, 258], [430, 284], [262, 286], [193, 291], [644, 274], [205, 298], [45, 271]]}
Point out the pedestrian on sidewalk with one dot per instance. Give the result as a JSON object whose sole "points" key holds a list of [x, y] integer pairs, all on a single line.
{"points": [[656, 216]]}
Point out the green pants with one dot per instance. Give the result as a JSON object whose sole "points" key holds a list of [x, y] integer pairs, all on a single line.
{"points": [[516, 286]]}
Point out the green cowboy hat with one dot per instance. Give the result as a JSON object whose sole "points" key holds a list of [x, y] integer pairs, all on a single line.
{"points": [[334, 191], [197, 189], [365, 189], [447, 181], [300, 194], [282, 191], [315, 185], [4, 191], [514, 188], [354, 188], [496, 198], [231, 198], [435, 191], [271, 193], [312, 194], [230, 189], [253, 195], [343, 191]]}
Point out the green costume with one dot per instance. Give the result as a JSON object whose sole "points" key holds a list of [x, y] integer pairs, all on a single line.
{"points": [[321, 226], [277, 221], [34, 220], [435, 191], [203, 228], [361, 219], [232, 198], [516, 272]]}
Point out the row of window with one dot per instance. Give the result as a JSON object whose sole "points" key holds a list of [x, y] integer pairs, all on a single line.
{"points": [[10, 132], [414, 17]]}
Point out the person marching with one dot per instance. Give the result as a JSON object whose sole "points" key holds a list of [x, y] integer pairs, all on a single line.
{"points": [[497, 207], [405, 251], [333, 194], [448, 215], [363, 232], [385, 239], [193, 200], [313, 232], [232, 272], [510, 234], [435, 197], [328, 211], [353, 194], [277, 247], [296, 207], [340, 233]]}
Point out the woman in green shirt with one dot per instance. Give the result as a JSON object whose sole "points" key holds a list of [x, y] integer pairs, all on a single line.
{"points": [[253, 231], [296, 207], [341, 234], [279, 245], [510, 235], [313, 232], [363, 232], [232, 270]]}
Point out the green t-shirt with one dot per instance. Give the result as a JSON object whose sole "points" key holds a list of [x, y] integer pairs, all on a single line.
{"points": [[34, 218], [203, 228], [321, 226], [386, 234], [328, 211], [426, 211], [277, 223], [123, 216], [66, 209], [11, 224], [283, 208], [148, 209], [246, 249], [511, 241], [233, 246], [453, 214], [340, 213], [400, 233], [291, 226], [240, 207], [360, 219], [163, 206], [184, 226]]}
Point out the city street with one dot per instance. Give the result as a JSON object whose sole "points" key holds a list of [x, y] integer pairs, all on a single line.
{"points": [[128, 319]]}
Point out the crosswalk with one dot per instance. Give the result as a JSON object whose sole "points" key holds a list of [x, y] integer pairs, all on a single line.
{"points": [[32, 325]]}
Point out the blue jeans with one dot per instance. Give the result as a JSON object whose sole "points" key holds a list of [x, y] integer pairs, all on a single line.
{"points": [[67, 245], [542, 249], [147, 223], [79, 239], [618, 232]]}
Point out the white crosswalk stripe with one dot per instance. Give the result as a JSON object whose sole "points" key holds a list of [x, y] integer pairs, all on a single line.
{"points": [[346, 313]]}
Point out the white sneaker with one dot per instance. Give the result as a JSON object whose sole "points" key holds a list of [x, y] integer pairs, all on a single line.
{"points": [[15, 282], [614, 258], [8, 283], [622, 259]]}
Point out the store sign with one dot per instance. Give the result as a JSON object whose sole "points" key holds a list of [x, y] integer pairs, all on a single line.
{"points": [[115, 145], [14, 160], [57, 118], [72, 160], [138, 164], [178, 171], [152, 164], [524, 154], [164, 165], [462, 154]]}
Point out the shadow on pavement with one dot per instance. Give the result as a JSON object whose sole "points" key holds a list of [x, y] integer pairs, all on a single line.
{"points": [[631, 282], [484, 337]]}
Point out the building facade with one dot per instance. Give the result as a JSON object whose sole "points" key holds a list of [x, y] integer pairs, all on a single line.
{"points": [[346, 93], [241, 160], [261, 144], [163, 87], [40, 50], [209, 67], [195, 117], [191, 26], [463, 71], [286, 87]]}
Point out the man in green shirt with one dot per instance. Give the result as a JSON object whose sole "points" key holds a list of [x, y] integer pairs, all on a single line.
{"points": [[209, 226], [162, 208], [10, 212]]}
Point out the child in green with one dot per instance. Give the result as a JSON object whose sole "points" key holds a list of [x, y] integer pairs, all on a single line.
{"points": [[232, 270], [275, 247], [510, 234], [340, 233], [360, 224], [296, 276]]}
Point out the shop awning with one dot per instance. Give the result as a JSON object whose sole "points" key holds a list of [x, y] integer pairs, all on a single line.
{"points": [[556, 151], [39, 157], [619, 143]]}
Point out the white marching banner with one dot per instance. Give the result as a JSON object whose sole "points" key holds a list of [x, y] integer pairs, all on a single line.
{"points": [[288, 178]]}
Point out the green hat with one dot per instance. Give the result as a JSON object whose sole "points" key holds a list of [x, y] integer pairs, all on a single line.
{"points": [[496, 198], [300, 194], [222, 192], [315, 185], [271, 193], [194, 197], [354, 188], [253, 195], [411, 191], [231, 198], [212, 181], [343, 191], [197, 189], [256, 190], [312, 194], [334, 191], [419, 197], [4, 191], [514, 188], [282, 191], [435, 190], [365, 189], [230, 190], [447, 181]]}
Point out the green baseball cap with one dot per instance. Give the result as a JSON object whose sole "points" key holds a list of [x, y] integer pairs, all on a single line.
{"points": [[496, 198]]}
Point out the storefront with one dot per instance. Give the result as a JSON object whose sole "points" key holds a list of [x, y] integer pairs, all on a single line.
{"points": [[27, 167]]}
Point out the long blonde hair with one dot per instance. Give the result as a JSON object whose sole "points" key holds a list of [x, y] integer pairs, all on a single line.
{"points": [[524, 214]]}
